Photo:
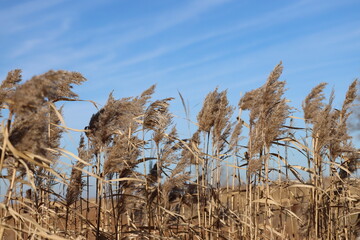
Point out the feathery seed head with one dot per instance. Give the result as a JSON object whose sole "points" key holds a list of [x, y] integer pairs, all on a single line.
{"points": [[268, 111], [313, 103]]}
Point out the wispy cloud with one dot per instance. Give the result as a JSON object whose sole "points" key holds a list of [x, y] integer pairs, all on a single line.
{"points": [[40, 41], [237, 30], [27, 8], [112, 48], [16, 18], [177, 16], [62, 47], [121, 36], [296, 10]]}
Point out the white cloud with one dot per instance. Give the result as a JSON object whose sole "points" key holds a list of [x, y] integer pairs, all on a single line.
{"points": [[19, 16], [65, 54], [39, 41], [104, 49], [296, 10]]}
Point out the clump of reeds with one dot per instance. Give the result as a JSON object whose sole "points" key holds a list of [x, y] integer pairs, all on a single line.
{"points": [[330, 141], [268, 113], [31, 134], [135, 178]]}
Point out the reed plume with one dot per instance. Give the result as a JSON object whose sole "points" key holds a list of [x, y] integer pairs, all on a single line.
{"points": [[268, 111], [313, 102], [9, 85], [215, 113], [76, 183], [222, 125], [29, 102], [158, 118], [341, 140]]}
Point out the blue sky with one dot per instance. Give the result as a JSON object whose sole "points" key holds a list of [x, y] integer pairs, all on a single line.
{"points": [[187, 46]]}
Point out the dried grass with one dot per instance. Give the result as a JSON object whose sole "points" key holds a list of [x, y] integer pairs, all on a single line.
{"points": [[150, 184]]}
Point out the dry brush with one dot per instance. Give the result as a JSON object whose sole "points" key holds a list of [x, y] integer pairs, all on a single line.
{"points": [[134, 178]]}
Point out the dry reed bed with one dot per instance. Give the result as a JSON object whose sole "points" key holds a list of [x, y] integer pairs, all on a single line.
{"points": [[232, 179]]}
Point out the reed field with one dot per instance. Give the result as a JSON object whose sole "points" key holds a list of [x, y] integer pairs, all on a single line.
{"points": [[133, 177]]}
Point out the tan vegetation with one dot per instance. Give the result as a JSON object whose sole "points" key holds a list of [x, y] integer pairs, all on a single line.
{"points": [[232, 179]]}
